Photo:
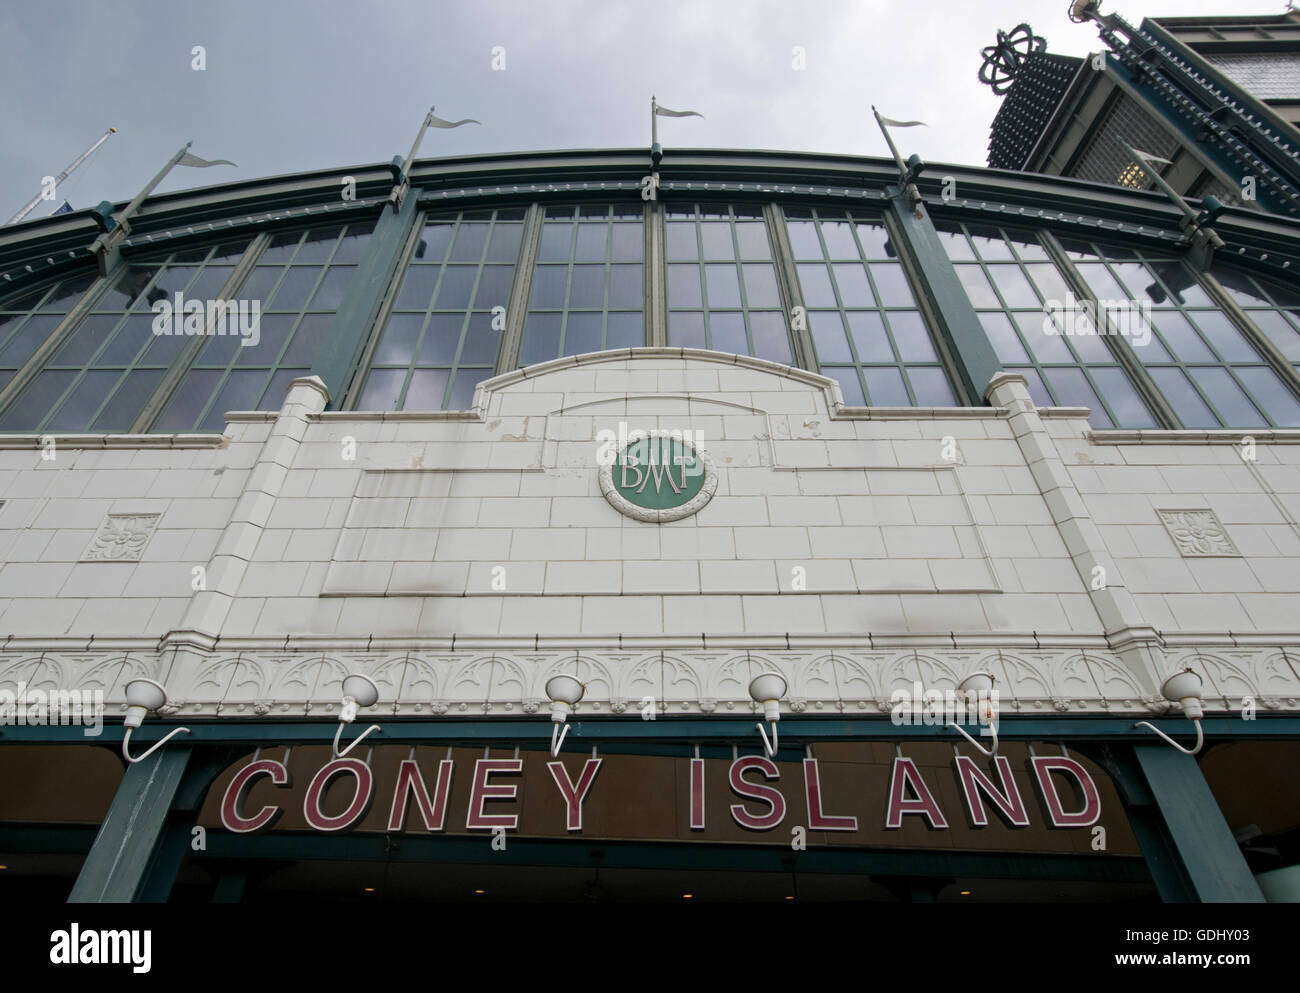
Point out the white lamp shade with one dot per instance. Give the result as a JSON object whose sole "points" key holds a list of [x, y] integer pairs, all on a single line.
{"points": [[977, 682], [362, 689], [1182, 686], [145, 693], [767, 686], [565, 689]]}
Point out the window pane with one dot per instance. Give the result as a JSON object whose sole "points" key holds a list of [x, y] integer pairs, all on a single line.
{"points": [[471, 240], [383, 388], [441, 339], [592, 241], [839, 240], [550, 283], [481, 342], [815, 282], [494, 287], [628, 242], [426, 389], [1122, 398], [83, 401], [1016, 291], [504, 244], [582, 333], [686, 329], [541, 338], [716, 236], [847, 377], [295, 288], [588, 286], [625, 330], [760, 286], [855, 290], [241, 391], [724, 286], [681, 241], [1223, 392], [911, 337], [869, 337], [1180, 395], [828, 335], [397, 346], [1276, 400], [752, 236], [1073, 390], [931, 387], [555, 243], [684, 286], [771, 341], [885, 387], [1004, 338], [625, 289], [456, 287], [803, 239], [126, 404], [727, 332]]}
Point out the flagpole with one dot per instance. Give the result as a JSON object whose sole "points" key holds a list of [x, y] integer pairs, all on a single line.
{"points": [[898, 159], [123, 218], [654, 123], [1154, 174], [31, 204]]}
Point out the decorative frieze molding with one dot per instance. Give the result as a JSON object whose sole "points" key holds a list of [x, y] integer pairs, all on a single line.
{"points": [[498, 684]]}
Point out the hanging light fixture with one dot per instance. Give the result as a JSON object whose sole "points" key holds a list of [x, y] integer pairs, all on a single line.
{"points": [[767, 689], [358, 691], [142, 696], [1183, 688], [981, 684], [564, 692]]}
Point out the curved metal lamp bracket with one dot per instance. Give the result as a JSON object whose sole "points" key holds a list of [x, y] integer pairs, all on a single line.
{"points": [[1200, 736], [126, 744], [993, 730], [368, 731]]}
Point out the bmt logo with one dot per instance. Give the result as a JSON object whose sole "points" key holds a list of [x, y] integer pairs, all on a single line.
{"points": [[655, 475], [181, 316]]}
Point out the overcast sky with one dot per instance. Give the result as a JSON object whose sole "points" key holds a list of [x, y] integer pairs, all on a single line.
{"points": [[293, 85]]}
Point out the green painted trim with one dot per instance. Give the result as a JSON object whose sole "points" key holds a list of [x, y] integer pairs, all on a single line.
{"points": [[959, 324], [115, 870], [675, 732], [1202, 841], [348, 333]]}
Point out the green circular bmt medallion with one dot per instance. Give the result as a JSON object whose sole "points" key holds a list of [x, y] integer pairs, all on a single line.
{"points": [[658, 478], [658, 473]]}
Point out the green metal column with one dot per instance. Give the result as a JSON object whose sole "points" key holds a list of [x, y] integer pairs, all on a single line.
{"points": [[116, 868], [976, 361], [1201, 838], [346, 336]]}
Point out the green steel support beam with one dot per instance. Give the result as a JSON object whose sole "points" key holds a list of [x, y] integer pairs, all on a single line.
{"points": [[346, 336], [1206, 851], [118, 862], [610, 732], [975, 359]]}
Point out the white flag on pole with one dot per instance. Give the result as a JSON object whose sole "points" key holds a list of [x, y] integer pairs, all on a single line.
{"points": [[193, 160], [438, 122], [665, 112]]}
